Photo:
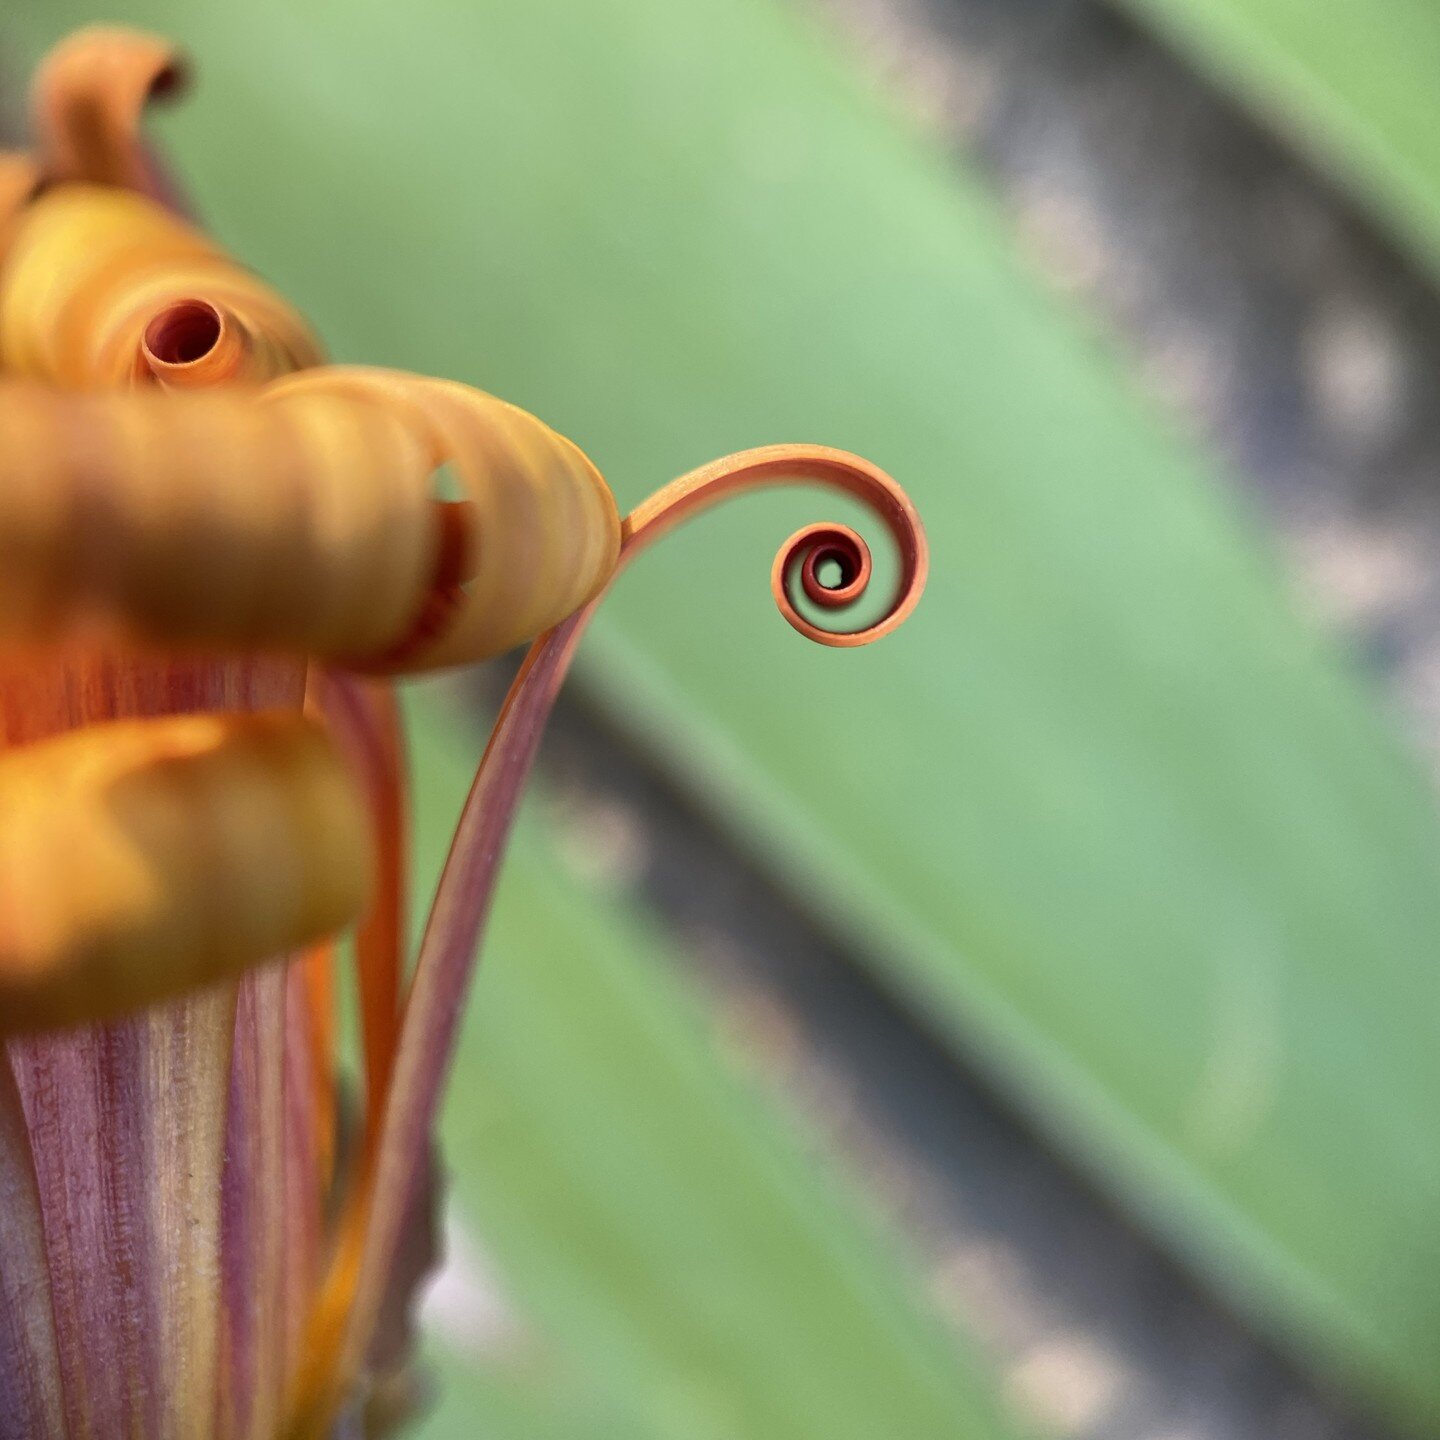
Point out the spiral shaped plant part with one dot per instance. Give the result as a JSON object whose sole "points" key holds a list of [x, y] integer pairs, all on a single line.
{"points": [[299, 517], [102, 288], [798, 561], [195, 344], [213, 520], [816, 545], [87, 101], [536, 536]]}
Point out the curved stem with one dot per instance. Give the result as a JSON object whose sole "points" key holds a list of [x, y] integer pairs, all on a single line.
{"points": [[347, 1311]]}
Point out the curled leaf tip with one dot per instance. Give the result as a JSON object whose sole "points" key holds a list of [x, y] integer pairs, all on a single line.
{"points": [[827, 565], [193, 343], [94, 278], [298, 517], [535, 538], [89, 96]]}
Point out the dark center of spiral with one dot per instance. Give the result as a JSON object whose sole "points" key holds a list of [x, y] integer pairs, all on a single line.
{"points": [[184, 333], [829, 575]]}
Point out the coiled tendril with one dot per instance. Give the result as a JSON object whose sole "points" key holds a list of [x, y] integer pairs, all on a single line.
{"points": [[798, 563], [345, 1317]]}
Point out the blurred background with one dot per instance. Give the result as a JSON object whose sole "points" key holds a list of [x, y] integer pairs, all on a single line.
{"points": [[1027, 1026]]}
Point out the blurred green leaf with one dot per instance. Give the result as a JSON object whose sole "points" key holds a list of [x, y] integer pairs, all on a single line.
{"points": [[1352, 82], [1101, 809], [513, 1397], [646, 1210]]}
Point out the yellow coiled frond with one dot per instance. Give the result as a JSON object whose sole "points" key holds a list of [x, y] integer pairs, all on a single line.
{"points": [[298, 517], [102, 287], [142, 858], [539, 531]]}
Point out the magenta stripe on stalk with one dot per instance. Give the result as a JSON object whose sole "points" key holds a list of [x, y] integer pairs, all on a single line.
{"points": [[248, 1397]]}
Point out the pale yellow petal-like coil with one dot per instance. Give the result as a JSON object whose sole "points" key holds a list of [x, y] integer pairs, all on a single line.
{"points": [[299, 517], [101, 288], [140, 859], [540, 530]]}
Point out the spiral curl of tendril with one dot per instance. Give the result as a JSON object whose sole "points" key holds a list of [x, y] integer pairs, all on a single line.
{"points": [[103, 288], [797, 564]]}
